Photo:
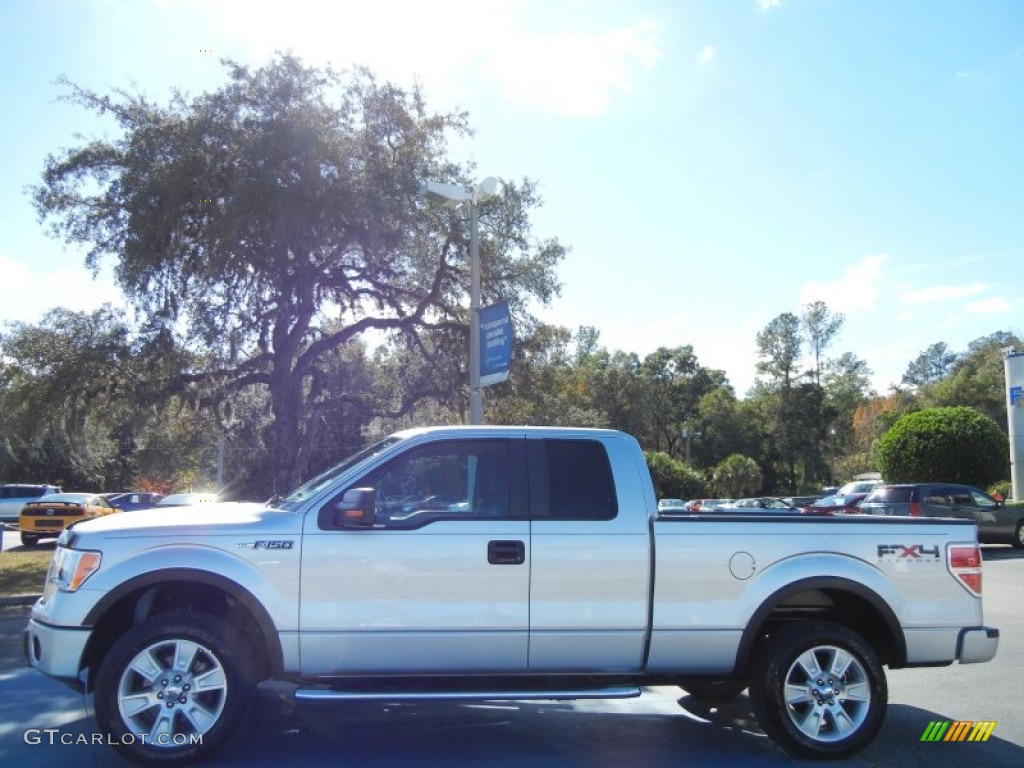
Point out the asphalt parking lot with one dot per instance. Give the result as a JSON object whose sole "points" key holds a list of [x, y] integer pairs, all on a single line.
{"points": [[662, 728]]}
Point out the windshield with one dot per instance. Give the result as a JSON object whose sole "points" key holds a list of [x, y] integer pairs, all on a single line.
{"points": [[311, 487]]}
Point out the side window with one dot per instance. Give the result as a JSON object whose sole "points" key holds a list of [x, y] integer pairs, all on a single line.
{"points": [[961, 496], [939, 496], [982, 500], [573, 481], [449, 480]]}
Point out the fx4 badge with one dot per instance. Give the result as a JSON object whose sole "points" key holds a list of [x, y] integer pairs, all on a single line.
{"points": [[268, 544], [902, 553]]}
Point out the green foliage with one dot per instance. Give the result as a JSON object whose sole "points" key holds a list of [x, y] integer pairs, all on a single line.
{"points": [[1002, 488], [932, 365], [820, 325], [736, 476], [977, 380], [278, 218], [953, 444], [77, 398], [673, 479], [778, 349]]}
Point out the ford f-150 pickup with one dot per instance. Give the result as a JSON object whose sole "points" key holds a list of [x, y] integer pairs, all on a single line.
{"points": [[488, 563]]}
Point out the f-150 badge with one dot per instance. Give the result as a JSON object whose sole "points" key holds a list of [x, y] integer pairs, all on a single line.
{"points": [[268, 544]]}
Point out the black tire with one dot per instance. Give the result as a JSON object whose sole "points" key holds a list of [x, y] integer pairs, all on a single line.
{"points": [[1018, 535], [29, 539], [829, 716], [714, 689], [162, 664]]}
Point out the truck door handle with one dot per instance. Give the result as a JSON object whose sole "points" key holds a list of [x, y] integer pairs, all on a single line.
{"points": [[506, 552]]}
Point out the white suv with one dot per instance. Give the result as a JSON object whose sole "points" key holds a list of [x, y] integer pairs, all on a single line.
{"points": [[13, 497]]}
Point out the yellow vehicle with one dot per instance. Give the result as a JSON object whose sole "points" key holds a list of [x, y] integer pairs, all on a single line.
{"points": [[47, 517]]}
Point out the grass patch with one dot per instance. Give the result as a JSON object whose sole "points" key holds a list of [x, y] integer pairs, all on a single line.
{"points": [[23, 569]]}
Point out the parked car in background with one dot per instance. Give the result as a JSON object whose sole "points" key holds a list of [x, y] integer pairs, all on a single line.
{"points": [[186, 500], [997, 523], [671, 505], [761, 505], [130, 501], [46, 517], [763, 502], [16, 495], [706, 505], [859, 486], [839, 504], [801, 502]]}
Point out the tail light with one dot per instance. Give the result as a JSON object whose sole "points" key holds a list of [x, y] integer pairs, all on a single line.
{"points": [[914, 509], [964, 562]]}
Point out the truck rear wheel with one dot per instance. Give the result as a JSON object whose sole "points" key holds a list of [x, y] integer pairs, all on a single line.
{"points": [[29, 539], [173, 689], [819, 690]]}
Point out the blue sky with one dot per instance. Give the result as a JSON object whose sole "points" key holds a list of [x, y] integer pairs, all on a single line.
{"points": [[711, 163]]}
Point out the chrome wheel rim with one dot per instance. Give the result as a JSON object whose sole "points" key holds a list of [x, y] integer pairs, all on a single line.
{"points": [[827, 693], [172, 693]]}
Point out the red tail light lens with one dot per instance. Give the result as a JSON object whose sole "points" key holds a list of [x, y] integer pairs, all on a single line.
{"points": [[965, 563], [914, 509]]}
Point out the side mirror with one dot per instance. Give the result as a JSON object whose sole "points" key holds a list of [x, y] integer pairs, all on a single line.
{"points": [[357, 509]]}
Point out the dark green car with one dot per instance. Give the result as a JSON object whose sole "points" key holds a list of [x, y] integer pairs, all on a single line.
{"points": [[997, 523]]}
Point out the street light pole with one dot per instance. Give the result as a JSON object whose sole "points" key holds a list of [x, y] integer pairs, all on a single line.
{"points": [[832, 465], [687, 435], [476, 398], [452, 196]]}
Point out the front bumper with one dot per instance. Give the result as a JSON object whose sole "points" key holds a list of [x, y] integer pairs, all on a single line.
{"points": [[56, 651], [977, 644]]}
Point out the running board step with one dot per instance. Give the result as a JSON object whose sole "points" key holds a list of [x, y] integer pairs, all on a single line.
{"points": [[331, 694]]}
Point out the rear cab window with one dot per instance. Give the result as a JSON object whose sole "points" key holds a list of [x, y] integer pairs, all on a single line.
{"points": [[571, 480]]}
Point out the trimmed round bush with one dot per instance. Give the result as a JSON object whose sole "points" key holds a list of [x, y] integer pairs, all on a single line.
{"points": [[944, 445]]}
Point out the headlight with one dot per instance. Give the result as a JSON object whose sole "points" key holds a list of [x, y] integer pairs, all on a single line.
{"points": [[71, 567]]}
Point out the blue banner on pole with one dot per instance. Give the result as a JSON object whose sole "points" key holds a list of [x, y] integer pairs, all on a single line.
{"points": [[495, 343]]}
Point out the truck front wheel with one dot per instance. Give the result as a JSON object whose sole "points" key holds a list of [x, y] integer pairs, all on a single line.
{"points": [[174, 688], [819, 690]]}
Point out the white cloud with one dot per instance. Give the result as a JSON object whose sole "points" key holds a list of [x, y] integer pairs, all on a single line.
{"points": [[768, 5], [573, 73], [940, 293], [990, 306], [25, 296], [707, 54], [855, 291]]}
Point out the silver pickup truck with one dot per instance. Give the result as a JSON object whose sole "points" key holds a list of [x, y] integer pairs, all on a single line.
{"points": [[498, 563]]}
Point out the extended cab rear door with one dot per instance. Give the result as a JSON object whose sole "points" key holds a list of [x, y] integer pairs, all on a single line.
{"points": [[440, 583], [590, 567]]}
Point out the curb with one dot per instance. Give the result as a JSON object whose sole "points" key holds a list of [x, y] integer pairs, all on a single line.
{"points": [[6, 600]]}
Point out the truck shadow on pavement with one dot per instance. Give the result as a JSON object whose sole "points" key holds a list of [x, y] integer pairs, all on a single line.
{"points": [[653, 732]]}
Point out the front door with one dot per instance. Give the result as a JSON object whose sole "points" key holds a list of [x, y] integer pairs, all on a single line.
{"points": [[439, 583]]}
